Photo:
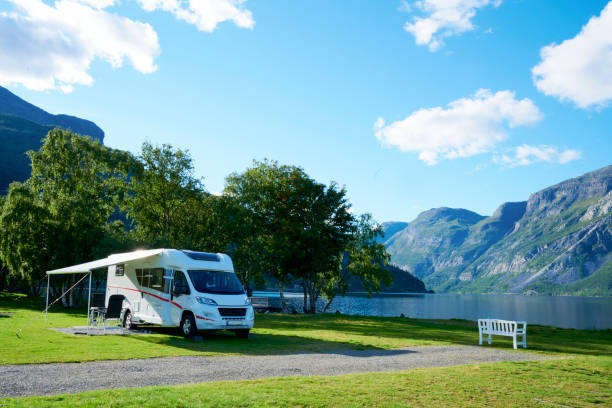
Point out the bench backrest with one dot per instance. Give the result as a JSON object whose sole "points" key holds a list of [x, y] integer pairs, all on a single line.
{"points": [[259, 301], [496, 326]]}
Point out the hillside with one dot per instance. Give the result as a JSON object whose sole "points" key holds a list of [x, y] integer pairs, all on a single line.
{"points": [[17, 136], [403, 282], [557, 242], [22, 128], [11, 104]]}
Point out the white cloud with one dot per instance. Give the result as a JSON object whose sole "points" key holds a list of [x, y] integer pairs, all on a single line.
{"points": [[525, 155], [580, 69], [467, 127], [204, 14], [98, 4], [52, 47], [444, 18]]}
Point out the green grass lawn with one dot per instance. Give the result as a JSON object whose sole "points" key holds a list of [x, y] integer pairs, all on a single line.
{"points": [[583, 377]]}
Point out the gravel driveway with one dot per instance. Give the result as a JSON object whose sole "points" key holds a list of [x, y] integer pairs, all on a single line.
{"points": [[46, 379]]}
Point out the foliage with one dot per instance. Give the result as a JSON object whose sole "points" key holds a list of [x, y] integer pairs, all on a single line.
{"points": [[59, 216], [298, 228], [27, 238], [272, 219], [81, 183], [366, 259], [163, 196]]}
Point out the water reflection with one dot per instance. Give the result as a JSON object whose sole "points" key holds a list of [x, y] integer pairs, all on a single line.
{"points": [[560, 311], [577, 312]]}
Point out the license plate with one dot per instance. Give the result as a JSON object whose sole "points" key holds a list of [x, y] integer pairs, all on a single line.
{"points": [[235, 322]]}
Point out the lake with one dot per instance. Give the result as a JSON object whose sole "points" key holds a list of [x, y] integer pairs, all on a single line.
{"points": [[575, 312]]}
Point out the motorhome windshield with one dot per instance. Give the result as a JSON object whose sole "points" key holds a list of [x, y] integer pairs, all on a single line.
{"points": [[225, 283]]}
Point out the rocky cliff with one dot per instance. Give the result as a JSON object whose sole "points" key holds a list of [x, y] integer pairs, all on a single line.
{"points": [[557, 242]]}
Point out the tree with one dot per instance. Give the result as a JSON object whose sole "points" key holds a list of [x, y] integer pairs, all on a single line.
{"points": [[59, 216], [319, 226], [221, 225], [297, 227], [163, 196], [81, 183], [365, 258], [260, 240], [27, 237]]}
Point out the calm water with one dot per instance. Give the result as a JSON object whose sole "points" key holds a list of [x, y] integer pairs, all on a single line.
{"points": [[576, 312]]}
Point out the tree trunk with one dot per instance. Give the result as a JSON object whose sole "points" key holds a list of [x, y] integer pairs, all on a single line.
{"points": [[314, 295], [328, 303], [305, 309], [281, 293]]}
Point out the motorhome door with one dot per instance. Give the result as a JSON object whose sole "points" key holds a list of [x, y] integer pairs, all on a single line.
{"points": [[180, 297]]}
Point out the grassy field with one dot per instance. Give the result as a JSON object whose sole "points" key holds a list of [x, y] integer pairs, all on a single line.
{"points": [[583, 377]]}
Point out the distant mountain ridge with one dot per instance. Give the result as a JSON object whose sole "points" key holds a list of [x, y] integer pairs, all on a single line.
{"points": [[17, 136], [11, 104], [22, 128], [559, 241]]}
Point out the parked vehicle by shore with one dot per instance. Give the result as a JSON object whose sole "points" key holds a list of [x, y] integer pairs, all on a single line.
{"points": [[189, 289]]}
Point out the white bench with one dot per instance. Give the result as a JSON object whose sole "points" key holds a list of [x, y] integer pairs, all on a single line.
{"points": [[260, 303], [502, 328]]}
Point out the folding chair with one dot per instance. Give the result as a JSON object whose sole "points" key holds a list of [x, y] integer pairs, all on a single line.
{"points": [[112, 312], [97, 310]]}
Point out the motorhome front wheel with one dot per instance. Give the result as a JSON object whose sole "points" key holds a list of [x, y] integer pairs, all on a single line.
{"points": [[188, 325]]}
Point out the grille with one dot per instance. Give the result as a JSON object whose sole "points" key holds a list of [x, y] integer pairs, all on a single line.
{"points": [[226, 311]]}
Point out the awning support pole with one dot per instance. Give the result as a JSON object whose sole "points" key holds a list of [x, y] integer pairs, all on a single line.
{"points": [[89, 301], [47, 299]]}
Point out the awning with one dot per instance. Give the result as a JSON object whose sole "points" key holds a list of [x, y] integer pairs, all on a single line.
{"points": [[111, 260]]}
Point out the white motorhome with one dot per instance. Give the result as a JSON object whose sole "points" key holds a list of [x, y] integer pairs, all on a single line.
{"points": [[188, 289]]}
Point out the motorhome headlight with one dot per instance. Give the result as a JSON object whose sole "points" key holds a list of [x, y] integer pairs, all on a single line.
{"points": [[247, 302], [205, 301]]}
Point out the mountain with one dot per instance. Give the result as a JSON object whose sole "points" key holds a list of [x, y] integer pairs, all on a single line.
{"points": [[425, 244], [403, 282], [11, 104], [559, 241], [17, 136], [390, 228], [22, 128]]}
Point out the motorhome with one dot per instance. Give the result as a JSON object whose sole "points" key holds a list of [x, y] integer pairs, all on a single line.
{"points": [[189, 289]]}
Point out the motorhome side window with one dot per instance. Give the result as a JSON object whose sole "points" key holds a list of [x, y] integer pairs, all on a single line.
{"points": [[119, 271], [180, 283], [152, 278]]}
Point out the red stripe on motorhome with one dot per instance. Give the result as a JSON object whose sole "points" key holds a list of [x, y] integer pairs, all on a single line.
{"points": [[148, 293]]}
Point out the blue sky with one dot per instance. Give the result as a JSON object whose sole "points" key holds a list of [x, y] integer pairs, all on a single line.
{"points": [[340, 88]]}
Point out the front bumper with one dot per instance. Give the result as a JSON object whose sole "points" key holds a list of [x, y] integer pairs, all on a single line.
{"points": [[209, 319], [204, 323]]}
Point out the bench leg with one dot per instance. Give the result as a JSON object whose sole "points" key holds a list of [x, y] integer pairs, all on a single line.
{"points": [[525, 340], [514, 341], [480, 338], [490, 338]]}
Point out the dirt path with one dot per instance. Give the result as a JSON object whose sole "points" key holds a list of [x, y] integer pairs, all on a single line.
{"points": [[47, 379]]}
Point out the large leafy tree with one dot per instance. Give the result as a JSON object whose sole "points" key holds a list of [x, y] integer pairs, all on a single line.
{"points": [[81, 183], [294, 228], [60, 215], [259, 234], [221, 225], [165, 197], [318, 227]]}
